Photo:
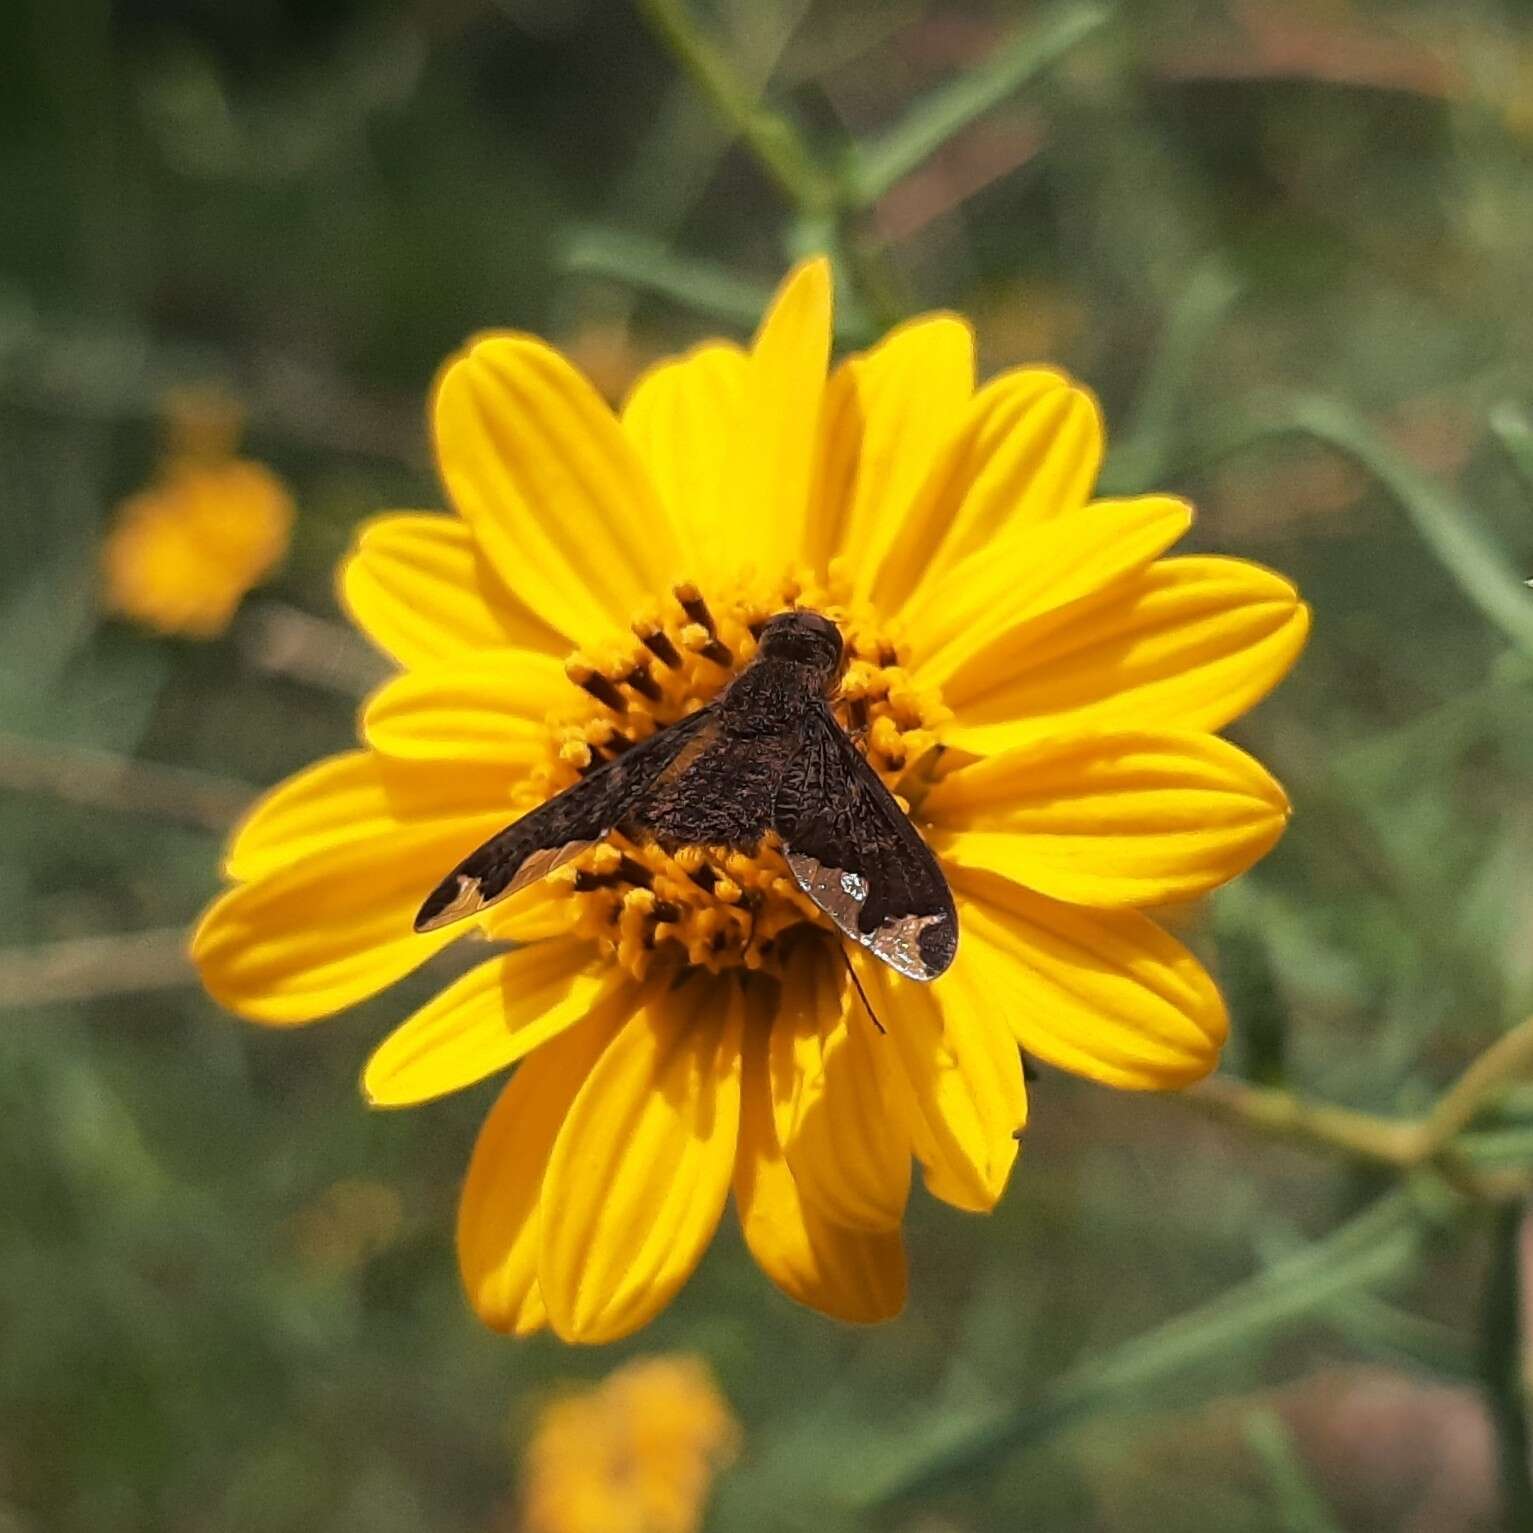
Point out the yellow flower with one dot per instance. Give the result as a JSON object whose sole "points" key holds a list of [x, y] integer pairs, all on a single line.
{"points": [[183, 552], [637, 1454], [685, 1025]]}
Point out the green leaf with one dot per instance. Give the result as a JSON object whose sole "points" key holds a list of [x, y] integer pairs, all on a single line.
{"points": [[1298, 1504], [1381, 1329], [1377, 1328], [1514, 431], [1375, 1246], [1140, 458], [876, 166], [1442, 520], [703, 286]]}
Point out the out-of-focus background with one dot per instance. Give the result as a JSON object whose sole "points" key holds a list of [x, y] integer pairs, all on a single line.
{"points": [[1288, 244]]}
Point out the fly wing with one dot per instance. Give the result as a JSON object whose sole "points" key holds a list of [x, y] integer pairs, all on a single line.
{"points": [[857, 856], [718, 791], [550, 835]]}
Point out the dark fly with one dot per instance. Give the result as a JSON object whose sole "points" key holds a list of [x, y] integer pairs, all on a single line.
{"points": [[766, 755]]}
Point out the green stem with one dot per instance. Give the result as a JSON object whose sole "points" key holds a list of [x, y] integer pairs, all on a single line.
{"points": [[1502, 1344], [1400, 1145], [775, 142], [1279, 1114], [1509, 1057]]}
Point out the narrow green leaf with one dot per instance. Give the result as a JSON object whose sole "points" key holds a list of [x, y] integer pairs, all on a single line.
{"points": [[1377, 1245], [1380, 1329], [946, 111], [705, 287], [1442, 520], [1138, 461], [1514, 431], [1299, 1506], [700, 285]]}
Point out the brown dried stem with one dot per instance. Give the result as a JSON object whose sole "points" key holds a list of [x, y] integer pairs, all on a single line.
{"points": [[101, 779], [89, 968]]}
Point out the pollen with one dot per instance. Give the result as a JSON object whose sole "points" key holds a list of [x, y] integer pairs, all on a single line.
{"points": [[715, 907]]}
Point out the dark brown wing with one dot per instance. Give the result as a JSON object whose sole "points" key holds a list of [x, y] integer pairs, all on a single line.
{"points": [[719, 791], [858, 857], [550, 835]]}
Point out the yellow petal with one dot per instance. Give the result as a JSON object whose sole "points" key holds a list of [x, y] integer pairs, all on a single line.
{"points": [[852, 1275], [964, 1075], [1189, 643], [1105, 993], [418, 587], [498, 1210], [491, 707], [886, 415], [1132, 817], [641, 1168], [492, 1016], [1027, 450], [684, 418], [357, 796], [845, 1141], [774, 451], [554, 492], [537, 913], [311, 938], [1033, 568]]}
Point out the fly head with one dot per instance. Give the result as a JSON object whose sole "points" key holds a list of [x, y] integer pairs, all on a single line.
{"points": [[806, 639]]}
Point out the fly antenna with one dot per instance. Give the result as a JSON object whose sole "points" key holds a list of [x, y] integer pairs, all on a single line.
{"points": [[850, 969]]}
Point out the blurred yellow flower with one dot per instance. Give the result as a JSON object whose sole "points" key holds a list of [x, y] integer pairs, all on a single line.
{"points": [[181, 554], [637, 1454], [1025, 668], [350, 1222]]}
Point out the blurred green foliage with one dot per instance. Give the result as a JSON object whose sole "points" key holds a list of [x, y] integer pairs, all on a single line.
{"points": [[1287, 244]]}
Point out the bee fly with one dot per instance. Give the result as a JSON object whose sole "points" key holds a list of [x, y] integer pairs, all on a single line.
{"points": [[766, 754]]}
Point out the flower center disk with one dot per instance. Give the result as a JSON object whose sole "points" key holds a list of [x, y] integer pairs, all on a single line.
{"points": [[712, 907]]}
